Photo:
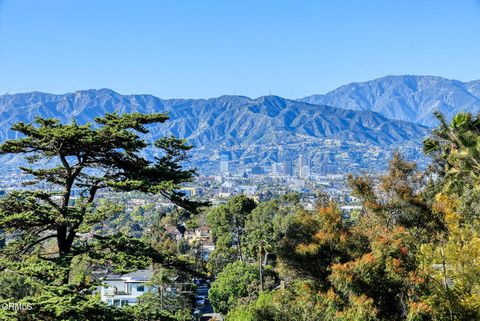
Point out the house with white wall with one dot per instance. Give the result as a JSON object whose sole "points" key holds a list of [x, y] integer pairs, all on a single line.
{"points": [[124, 289]]}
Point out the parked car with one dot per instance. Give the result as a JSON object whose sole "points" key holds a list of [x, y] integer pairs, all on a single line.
{"points": [[197, 313]]}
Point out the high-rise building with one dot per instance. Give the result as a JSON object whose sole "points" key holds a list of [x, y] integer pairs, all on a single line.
{"points": [[303, 166], [277, 169], [287, 168], [257, 170], [224, 159], [305, 172]]}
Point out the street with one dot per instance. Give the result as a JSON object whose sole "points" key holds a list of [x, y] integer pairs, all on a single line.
{"points": [[206, 310]]}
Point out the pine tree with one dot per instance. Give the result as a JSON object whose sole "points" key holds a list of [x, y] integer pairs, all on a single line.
{"points": [[51, 223]]}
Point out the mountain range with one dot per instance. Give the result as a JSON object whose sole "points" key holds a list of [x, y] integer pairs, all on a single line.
{"points": [[350, 127], [409, 98]]}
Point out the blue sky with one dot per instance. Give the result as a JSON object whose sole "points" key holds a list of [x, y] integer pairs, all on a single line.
{"points": [[204, 48]]}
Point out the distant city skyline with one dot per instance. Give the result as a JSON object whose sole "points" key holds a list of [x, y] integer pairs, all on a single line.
{"points": [[203, 49]]}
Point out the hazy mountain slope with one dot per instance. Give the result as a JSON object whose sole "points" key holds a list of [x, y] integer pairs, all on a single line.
{"points": [[409, 98], [251, 130], [224, 120]]}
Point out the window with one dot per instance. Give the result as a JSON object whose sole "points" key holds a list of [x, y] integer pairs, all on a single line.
{"points": [[124, 303], [116, 303], [129, 287], [140, 288]]}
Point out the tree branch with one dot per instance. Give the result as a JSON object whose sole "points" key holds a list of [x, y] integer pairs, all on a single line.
{"points": [[38, 242]]}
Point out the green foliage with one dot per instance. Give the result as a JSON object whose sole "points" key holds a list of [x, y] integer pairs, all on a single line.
{"points": [[228, 224], [366, 270], [452, 267], [384, 274], [401, 199], [451, 262], [260, 229], [53, 244], [301, 302], [292, 198], [224, 254], [315, 241], [14, 286], [412, 253], [261, 309], [455, 148], [162, 303], [231, 285]]}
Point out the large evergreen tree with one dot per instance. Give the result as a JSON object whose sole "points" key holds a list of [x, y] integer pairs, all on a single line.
{"points": [[51, 223]]}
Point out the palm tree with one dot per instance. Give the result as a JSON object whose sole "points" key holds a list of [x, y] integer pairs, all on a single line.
{"points": [[161, 278], [455, 148]]}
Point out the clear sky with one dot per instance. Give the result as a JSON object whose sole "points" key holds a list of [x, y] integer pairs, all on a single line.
{"points": [[206, 48]]}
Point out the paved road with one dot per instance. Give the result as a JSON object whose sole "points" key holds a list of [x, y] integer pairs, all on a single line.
{"points": [[203, 291], [206, 311]]}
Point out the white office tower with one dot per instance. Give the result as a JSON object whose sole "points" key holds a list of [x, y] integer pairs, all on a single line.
{"points": [[277, 169], [303, 167], [305, 172], [224, 163]]}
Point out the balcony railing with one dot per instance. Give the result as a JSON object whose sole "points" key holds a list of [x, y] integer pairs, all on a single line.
{"points": [[113, 291]]}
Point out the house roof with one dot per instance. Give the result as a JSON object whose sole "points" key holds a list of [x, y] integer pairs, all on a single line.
{"points": [[136, 276], [147, 273], [175, 229]]}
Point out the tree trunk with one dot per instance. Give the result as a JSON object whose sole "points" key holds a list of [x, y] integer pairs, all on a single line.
{"points": [[63, 247], [260, 266]]}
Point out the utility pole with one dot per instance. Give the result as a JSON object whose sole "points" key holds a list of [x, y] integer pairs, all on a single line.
{"points": [[161, 296], [260, 264]]}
